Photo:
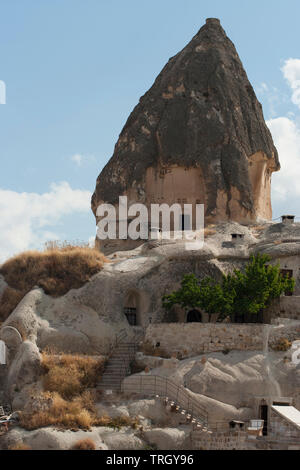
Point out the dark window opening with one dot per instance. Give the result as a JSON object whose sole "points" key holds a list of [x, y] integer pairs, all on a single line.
{"points": [[288, 218], [264, 416], [237, 236], [194, 316], [130, 314]]}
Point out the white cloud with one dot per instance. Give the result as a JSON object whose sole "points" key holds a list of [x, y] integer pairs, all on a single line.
{"points": [[291, 72], [80, 159], [286, 135], [77, 158], [263, 88], [27, 218], [273, 99], [91, 241]]}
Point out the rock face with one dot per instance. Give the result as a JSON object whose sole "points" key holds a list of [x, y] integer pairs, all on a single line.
{"points": [[197, 136]]}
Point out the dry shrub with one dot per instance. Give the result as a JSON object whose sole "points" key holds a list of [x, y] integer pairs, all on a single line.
{"points": [[19, 446], [57, 271], [208, 232], [9, 300], [259, 228], [67, 401], [69, 375], [283, 344], [78, 413], [84, 444], [148, 349], [60, 413], [117, 422]]}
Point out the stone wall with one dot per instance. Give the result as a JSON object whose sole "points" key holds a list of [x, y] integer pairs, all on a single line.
{"points": [[285, 307], [191, 339], [282, 427], [219, 440]]}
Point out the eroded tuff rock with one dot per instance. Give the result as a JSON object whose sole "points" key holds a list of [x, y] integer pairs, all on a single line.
{"points": [[197, 136]]}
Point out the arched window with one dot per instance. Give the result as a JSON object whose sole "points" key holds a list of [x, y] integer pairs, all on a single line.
{"points": [[132, 306]]}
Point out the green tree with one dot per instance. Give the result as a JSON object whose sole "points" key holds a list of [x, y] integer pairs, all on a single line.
{"points": [[206, 294], [256, 287], [240, 293]]}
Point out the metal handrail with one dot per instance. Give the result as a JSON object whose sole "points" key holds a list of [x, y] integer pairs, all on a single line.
{"points": [[125, 367], [155, 385], [120, 336]]}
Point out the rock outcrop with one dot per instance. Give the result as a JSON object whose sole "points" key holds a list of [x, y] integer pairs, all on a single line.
{"points": [[197, 136]]}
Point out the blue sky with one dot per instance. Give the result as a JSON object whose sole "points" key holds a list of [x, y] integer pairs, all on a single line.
{"points": [[74, 70]]}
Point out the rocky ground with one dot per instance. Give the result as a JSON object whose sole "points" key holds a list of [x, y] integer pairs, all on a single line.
{"points": [[223, 384], [157, 428]]}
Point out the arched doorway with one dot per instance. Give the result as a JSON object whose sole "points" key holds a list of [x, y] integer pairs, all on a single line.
{"points": [[137, 307], [194, 316], [131, 307]]}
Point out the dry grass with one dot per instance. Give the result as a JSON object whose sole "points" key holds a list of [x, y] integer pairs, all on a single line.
{"points": [[9, 300], [74, 414], [118, 422], [20, 446], [56, 270], [283, 344], [78, 413], [68, 401], [148, 349], [259, 228], [69, 374], [208, 232], [84, 444]]}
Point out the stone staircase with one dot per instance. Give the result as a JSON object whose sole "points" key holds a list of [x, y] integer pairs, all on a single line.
{"points": [[118, 365]]}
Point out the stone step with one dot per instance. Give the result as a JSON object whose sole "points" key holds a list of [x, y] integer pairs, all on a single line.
{"points": [[112, 377], [118, 366], [110, 382]]}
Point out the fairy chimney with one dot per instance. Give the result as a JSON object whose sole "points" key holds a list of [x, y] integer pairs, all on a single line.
{"points": [[198, 136]]}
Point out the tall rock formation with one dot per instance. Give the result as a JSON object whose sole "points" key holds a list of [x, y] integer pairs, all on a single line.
{"points": [[197, 136]]}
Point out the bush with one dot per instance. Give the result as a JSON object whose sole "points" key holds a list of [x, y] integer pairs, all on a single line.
{"points": [[9, 300], [208, 232], [78, 413], [84, 444], [57, 271], [283, 344], [67, 401], [148, 349], [118, 422], [60, 413], [69, 375]]}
